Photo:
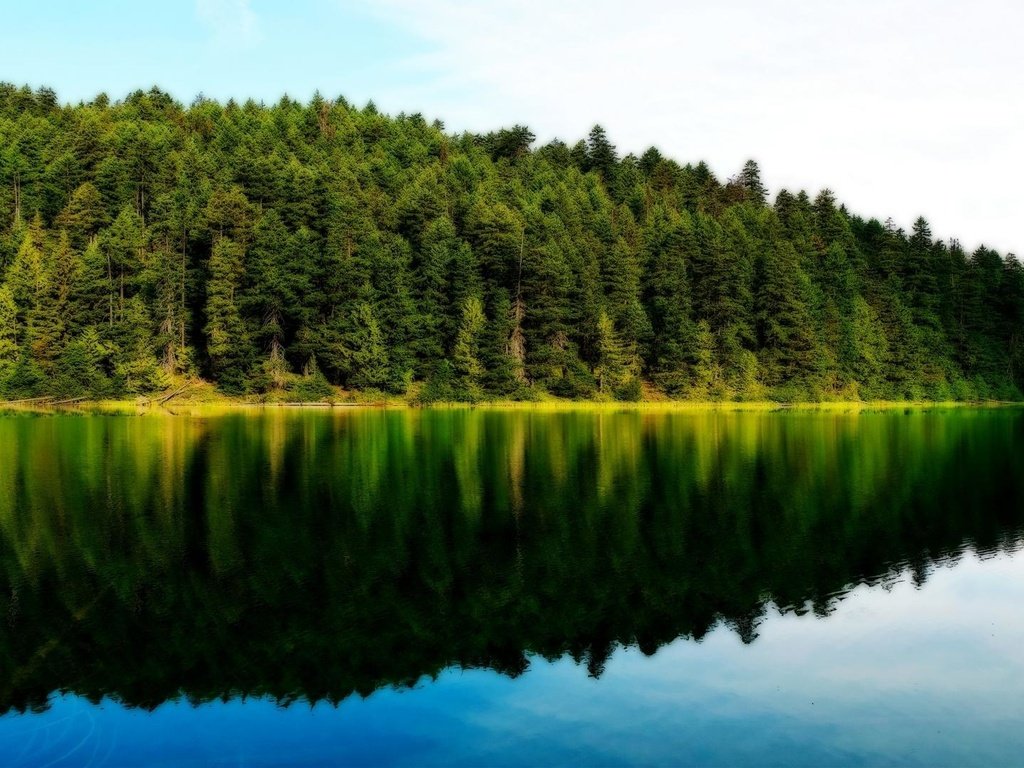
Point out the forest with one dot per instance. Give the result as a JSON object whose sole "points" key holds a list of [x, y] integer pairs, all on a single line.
{"points": [[307, 251]]}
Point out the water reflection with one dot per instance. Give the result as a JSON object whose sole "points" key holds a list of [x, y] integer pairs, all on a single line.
{"points": [[316, 555]]}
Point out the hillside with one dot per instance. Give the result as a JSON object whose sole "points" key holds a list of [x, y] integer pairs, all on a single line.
{"points": [[295, 247]]}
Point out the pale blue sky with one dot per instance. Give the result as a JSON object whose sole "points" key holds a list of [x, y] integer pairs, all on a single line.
{"points": [[902, 107], [221, 48]]}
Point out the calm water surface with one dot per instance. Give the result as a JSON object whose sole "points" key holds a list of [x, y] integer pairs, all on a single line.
{"points": [[512, 587]]}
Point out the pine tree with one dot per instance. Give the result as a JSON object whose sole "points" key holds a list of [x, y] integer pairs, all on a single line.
{"points": [[611, 366], [784, 320], [671, 249], [169, 311], [432, 288], [601, 155], [228, 340], [84, 215], [26, 276], [750, 180], [707, 374], [82, 366], [8, 333], [870, 348], [123, 245], [134, 359], [466, 352], [370, 366]]}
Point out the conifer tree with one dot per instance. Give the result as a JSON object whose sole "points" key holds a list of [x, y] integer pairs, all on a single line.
{"points": [[707, 374], [370, 366], [228, 338], [750, 180], [784, 320], [671, 250], [8, 333], [611, 357], [84, 215], [601, 155], [466, 352]]}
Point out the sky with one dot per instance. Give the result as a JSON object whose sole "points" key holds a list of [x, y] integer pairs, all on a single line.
{"points": [[901, 107]]}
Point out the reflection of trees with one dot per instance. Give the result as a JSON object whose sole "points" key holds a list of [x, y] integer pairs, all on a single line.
{"points": [[316, 555]]}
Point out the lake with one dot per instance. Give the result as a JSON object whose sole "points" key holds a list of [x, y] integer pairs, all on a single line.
{"points": [[512, 587]]}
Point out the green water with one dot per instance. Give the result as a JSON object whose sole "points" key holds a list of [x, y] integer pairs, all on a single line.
{"points": [[287, 556]]}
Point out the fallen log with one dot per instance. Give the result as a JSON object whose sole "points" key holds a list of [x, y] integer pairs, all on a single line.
{"points": [[172, 395]]}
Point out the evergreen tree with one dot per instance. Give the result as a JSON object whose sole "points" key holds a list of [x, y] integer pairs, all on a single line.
{"points": [[870, 348], [466, 352], [135, 364], [601, 155], [228, 340], [8, 333], [84, 215], [26, 276], [785, 327], [671, 250], [750, 180], [611, 365], [707, 374], [369, 366]]}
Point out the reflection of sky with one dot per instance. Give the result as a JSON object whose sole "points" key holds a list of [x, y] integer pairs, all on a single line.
{"points": [[932, 676]]}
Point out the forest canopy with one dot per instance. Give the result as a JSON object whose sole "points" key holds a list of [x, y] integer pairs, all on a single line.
{"points": [[295, 248]]}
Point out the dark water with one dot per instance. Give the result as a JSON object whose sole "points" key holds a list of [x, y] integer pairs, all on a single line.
{"points": [[508, 588]]}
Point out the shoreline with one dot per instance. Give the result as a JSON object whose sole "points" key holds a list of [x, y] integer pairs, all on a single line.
{"points": [[180, 407]]}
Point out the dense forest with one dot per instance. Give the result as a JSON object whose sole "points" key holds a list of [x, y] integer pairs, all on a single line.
{"points": [[290, 249]]}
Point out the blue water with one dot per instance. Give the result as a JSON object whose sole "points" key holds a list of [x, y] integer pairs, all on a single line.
{"points": [[485, 587], [898, 674]]}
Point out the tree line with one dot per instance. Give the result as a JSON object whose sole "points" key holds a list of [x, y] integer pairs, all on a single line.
{"points": [[290, 249]]}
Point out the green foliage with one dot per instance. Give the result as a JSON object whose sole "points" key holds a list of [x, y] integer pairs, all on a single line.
{"points": [[312, 386], [466, 352], [239, 243], [629, 390], [611, 367], [82, 367], [440, 385], [8, 333], [369, 363], [227, 339]]}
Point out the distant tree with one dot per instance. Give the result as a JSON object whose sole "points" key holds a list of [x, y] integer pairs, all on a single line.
{"points": [[510, 143], [601, 156], [750, 180]]}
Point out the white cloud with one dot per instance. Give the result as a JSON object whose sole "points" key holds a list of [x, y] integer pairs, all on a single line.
{"points": [[903, 108], [229, 22]]}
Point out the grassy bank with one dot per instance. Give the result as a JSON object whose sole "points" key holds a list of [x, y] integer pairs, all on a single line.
{"points": [[184, 394], [187, 405]]}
